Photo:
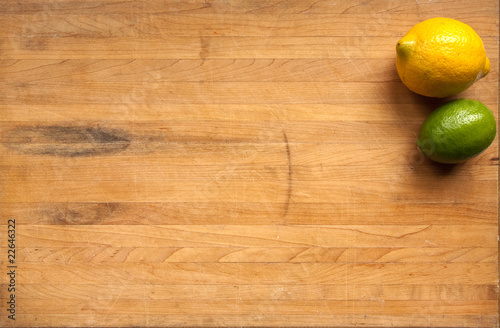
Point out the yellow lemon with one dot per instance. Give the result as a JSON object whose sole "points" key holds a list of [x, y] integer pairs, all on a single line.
{"points": [[441, 57]]}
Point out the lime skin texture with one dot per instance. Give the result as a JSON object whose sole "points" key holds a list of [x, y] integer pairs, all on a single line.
{"points": [[457, 131]]}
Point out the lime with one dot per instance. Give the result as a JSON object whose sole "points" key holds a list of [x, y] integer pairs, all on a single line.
{"points": [[457, 131]]}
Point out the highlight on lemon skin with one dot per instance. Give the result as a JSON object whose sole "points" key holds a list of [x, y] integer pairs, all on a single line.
{"points": [[441, 57]]}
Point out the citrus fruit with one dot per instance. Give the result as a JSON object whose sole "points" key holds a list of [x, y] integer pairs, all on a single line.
{"points": [[457, 131], [440, 57]]}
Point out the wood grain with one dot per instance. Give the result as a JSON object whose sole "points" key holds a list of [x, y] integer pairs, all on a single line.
{"points": [[236, 163], [416, 10]]}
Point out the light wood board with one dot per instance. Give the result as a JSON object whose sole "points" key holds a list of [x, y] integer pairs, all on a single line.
{"points": [[235, 163]]}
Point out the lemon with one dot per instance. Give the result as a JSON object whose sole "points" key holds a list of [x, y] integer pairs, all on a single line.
{"points": [[457, 131], [440, 57]]}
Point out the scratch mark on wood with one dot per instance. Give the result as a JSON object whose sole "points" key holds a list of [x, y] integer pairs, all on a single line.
{"points": [[290, 175]]}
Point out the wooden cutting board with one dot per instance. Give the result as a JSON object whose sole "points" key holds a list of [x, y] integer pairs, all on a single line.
{"points": [[235, 163]]}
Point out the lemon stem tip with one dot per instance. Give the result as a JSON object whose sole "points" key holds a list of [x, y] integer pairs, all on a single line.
{"points": [[486, 67], [403, 48]]}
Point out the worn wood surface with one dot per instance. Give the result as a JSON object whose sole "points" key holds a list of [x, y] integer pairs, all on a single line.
{"points": [[235, 163]]}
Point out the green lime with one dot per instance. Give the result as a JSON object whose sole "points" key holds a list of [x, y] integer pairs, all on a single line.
{"points": [[457, 131]]}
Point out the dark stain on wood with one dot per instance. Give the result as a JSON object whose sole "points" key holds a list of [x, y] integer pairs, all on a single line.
{"points": [[205, 47], [79, 213], [34, 44], [67, 141]]}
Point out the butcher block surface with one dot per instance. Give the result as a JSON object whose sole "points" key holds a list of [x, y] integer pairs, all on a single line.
{"points": [[235, 163]]}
